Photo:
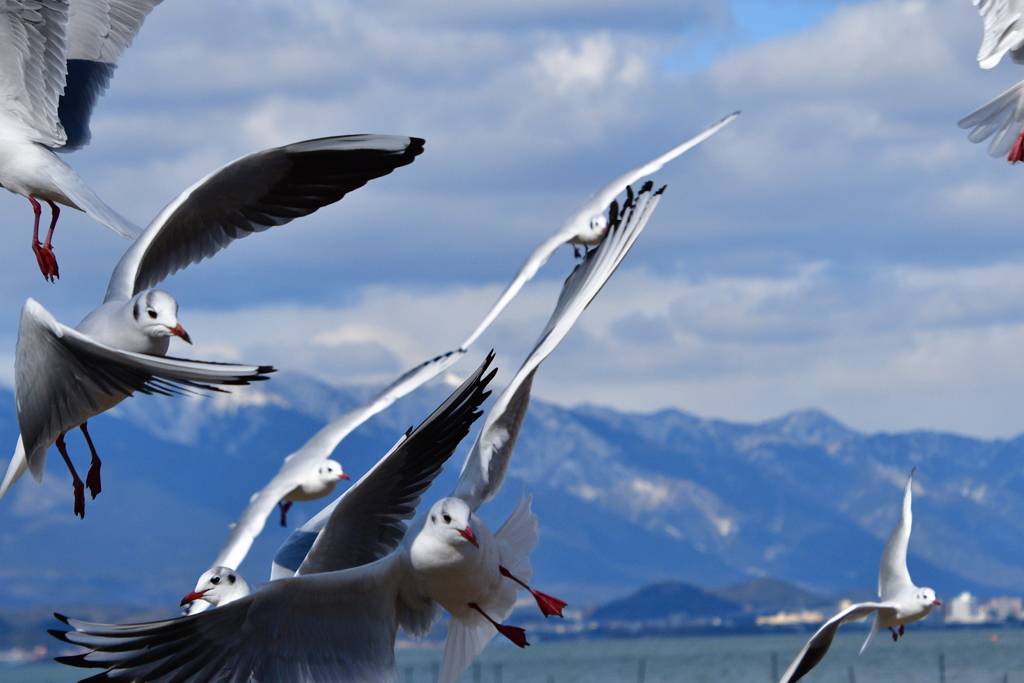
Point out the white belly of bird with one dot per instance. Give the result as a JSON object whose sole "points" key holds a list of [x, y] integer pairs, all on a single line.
{"points": [[455, 577], [312, 490], [28, 169]]}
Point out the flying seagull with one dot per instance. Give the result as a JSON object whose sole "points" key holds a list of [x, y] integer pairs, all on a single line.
{"points": [[348, 582], [334, 626], [586, 226], [63, 376], [1003, 117], [901, 601], [56, 59]]}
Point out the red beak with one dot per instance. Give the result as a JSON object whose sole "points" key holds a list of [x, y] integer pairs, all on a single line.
{"points": [[468, 534], [193, 596], [343, 476], [937, 602], [179, 331]]}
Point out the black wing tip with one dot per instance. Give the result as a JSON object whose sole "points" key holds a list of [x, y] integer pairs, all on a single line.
{"points": [[61, 618], [647, 186], [59, 635], [660, 191]]}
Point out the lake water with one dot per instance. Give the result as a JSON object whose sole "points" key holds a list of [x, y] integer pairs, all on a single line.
{"points": [[970, 656]]}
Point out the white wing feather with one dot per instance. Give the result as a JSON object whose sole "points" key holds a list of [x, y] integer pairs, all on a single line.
{"points": [[818, 645], [1004, 30], [487, 463], [893, 576], [33, 35]]}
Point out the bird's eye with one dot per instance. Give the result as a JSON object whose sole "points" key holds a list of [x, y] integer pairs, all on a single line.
{"points": [[151, 312], [447, 519], [433, 518], [215, 580], [231, 578]]}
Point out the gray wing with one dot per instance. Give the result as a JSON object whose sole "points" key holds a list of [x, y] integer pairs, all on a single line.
{"points": [[1001, 119], [298, 465], [33, 46], [62, 378], [253, 194], [99, 31], [598, 203], [893, 576], [1004, 30], [818, 645], [487, 463], [330, 627], [368, 521]]}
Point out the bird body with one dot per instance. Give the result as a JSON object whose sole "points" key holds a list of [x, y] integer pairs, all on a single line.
{"points": [[319, 482]]}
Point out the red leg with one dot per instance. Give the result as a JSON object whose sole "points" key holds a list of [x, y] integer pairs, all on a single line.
{"points": [[513, 633], [548, 604], [44, 252], [92, 478], [901, 629], [48, 244], [1017, 151], [76, 482], [894, 636], [285, 506]]}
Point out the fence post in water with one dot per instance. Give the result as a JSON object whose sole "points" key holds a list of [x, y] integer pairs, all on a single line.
{"points": [[408, 674], [641, 671], [477, 672], [435, 670], [853, 677], [497, 673], [942, 667], [775, 667]]}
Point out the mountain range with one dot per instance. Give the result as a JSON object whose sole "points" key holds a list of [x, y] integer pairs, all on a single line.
{"points": [[624, 499]]}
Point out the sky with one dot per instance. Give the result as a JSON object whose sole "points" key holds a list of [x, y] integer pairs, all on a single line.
{"points": [[840, 246]]}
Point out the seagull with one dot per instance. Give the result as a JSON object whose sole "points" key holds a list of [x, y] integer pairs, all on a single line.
{"points": [[307, 474], [56, 59], [587, 226], [901, 601], [1003, 116], [343, 583], [63, 376], [337, 625]]}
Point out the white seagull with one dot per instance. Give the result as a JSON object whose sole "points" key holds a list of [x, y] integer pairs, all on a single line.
{"points": [[1003, 116], [63, 376], [218, 586], [586, 226], [901, 601], [345, 588], [56, 58], [334, 626]]}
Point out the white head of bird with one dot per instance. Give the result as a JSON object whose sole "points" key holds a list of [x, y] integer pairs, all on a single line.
{"points": [[330, 472], [218, 586], [156, 315], [447, 536], [926, 598]]}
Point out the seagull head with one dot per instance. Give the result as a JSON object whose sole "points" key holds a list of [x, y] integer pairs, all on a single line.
{"points": [[451, 520], [599, 222], [156, 313], [927, 598], [218, 586], [330, 472]]}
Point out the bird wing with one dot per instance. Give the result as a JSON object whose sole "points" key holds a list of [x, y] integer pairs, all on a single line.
{"points": [[33, 44], [98, 33], [487, 463], [329, 627], [1002, 119], [368, 521], [298, 465], [62, 378], [252, 194], [893, 576], [1004, 30], [598, 203], [818, 645]]}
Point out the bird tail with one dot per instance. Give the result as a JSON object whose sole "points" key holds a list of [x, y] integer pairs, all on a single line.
{"points": [[517, 537], [75, 189], [1003, 117], [871, 635], [16, 468], [467, 637]]}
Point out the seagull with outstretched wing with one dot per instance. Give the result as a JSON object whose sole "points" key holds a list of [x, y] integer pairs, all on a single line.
{"points": [[900, 601], [587, 225], [56, 59], [63, 376]]}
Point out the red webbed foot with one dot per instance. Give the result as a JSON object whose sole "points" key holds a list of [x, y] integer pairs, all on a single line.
{"points": [[79, 498], [513, 633], [47, 261], [1017, 151], [901, 629], [92, 480], [549, 604]]}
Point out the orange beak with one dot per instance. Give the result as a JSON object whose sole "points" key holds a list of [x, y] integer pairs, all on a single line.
{"points": [[193, 596], [468, 534], [179, 331]]}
